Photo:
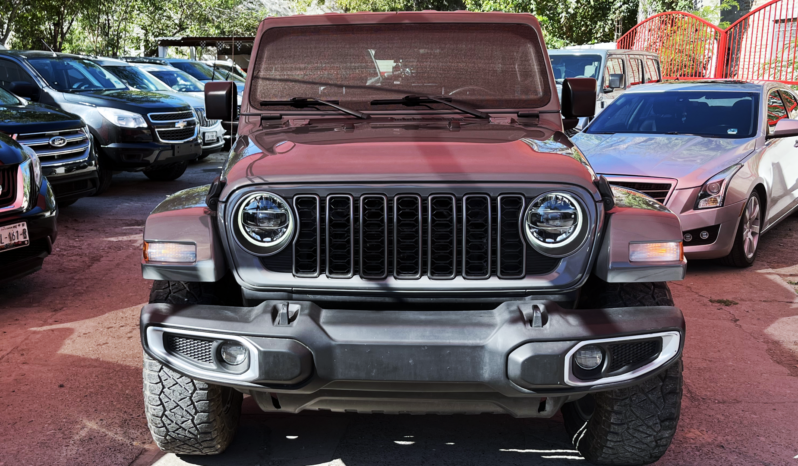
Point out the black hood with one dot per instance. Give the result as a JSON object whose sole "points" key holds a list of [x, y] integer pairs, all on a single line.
{"points": [[132, 101], [10, 151], [36, 118]]}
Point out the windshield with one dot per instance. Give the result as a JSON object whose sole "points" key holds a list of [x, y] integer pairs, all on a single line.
{"points": [[7, 98], [178, 80], [575, 66], [713, 114], [205, 72], [234, 71], [137, 79], [75, 74], [500, 66]]}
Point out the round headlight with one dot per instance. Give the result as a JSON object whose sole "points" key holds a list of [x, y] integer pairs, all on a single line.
{"points": [[554, 224], [265, 222]]}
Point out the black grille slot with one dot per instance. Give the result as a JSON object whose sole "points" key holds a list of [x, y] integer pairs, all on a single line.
{"points": [[631, 354], [307, 243], [442, 240], [511, 249], [658, 191], [476, 236], [8, 182], [374, 236], [340, 236], [187, 115], [190, 348], [407, 236], [178, 134]]}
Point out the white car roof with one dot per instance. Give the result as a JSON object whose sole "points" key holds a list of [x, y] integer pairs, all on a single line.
{"points": [[709, 85]]}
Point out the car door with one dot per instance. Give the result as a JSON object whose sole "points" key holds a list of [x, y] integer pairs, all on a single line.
{"points": [[779, 164]]}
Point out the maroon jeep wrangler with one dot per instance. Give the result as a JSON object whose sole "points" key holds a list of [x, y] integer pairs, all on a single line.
{"points": [[403, 227]]}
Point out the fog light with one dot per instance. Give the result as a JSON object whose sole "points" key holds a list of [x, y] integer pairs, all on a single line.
{"points": [[233, 353], [654, 252], [170, 252], [589, 357], [704, 235], [688, 237]]}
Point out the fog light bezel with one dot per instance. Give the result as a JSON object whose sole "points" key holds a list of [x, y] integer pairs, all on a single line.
{"points": [[601, 360], [224, 361]]}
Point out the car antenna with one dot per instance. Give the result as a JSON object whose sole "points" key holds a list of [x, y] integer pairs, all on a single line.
{"points": [[45, 44]]}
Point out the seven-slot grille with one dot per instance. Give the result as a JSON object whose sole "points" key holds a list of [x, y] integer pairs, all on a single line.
{"points": [[8, 181], [658, 191], [75, 144], [408, 237]]}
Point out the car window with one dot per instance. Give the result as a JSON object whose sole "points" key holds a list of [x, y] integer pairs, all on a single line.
{"points": [[75, 74], [652, 71], [715, 114], [614, 66], [776, 110], [137, 79], [575, 66], [635, 71], [791, 104], [11, 72], [178, 80], [7, 98]]}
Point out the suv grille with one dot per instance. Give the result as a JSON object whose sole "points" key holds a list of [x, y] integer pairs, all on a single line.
{"points": [[409, 237], [8, 181], [658, 191], [77, 144], [175, 116], [178, 134], [203, 120]]}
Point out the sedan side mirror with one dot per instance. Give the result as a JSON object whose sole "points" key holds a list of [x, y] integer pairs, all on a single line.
{"points": [[616, 81], [221, 100], [784, 128], [24, 89], [578, 97]]}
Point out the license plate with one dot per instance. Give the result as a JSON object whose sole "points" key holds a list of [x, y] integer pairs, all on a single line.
{"points": [[14, 236], [189, 148], [210, 136]]}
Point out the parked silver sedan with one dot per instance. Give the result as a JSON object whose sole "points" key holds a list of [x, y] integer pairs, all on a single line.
{"points": [[723, 155]]}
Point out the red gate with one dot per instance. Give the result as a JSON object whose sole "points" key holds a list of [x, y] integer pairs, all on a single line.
{"points": [[760, 45]]}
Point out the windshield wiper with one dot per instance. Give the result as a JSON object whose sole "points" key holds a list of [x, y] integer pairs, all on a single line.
{"points": [[304, 102], [413, 100]]}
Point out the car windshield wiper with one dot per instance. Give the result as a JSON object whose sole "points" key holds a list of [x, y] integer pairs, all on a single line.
{"points": [[304, 102], [413, 100]]}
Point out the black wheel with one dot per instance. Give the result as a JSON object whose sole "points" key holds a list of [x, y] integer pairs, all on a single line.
{"points": [[187, 416], [633, 425], [746, 241], [105, 174], [169, 172]]}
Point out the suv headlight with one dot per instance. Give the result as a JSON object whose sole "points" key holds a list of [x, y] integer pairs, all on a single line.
{"points": [[555, 224], [265, 223], [122, 118], [713, 192]]}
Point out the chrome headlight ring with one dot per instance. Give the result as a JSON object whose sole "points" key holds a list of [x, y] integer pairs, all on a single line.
{"points": [[555, 224], [263, 223]]}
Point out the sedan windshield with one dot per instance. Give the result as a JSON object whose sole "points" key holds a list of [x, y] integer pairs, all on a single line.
{"points": [[178, 80], [490, 68], [137, 79], [75, 74], [712, 114], [575, 66]]}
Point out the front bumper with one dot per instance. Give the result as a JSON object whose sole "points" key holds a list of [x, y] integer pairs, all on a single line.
{"points": [[73, 181], [725, 218], [407, 361], [41, 223], [214, 145], [135, 156]]}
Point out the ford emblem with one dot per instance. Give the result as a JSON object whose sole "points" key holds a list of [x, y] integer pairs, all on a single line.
{"points": [[181, 124], [58, 141]]}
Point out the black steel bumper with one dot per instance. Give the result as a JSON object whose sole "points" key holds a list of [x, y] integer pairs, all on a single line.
{"points": [[468, 361], [41, 222], [134, 156]]}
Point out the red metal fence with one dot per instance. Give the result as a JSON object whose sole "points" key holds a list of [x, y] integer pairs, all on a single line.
{"points": [[760, 45]]}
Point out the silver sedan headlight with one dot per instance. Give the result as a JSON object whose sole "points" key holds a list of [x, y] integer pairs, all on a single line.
{"points": [[265, 223], [555, 224]]}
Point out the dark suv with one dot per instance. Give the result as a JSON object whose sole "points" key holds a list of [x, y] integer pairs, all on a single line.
{"points": [[133, 130], [61, 140]]}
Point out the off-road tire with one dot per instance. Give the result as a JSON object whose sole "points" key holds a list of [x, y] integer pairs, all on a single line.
{"points": [[169, 172], [633, 425], [629, 426], [186, 416], [737, 257]]}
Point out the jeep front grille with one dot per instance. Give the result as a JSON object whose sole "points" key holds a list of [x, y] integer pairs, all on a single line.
{"points": [[408, 237], [75, 145]]}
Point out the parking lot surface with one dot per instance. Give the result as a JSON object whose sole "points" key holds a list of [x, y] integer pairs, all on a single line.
{"points": [[70, 366]]}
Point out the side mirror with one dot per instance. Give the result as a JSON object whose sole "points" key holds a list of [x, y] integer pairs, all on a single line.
{"points": [[784, 128], [578, 97], [616, 81], [24, 89], [221, 100]]}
